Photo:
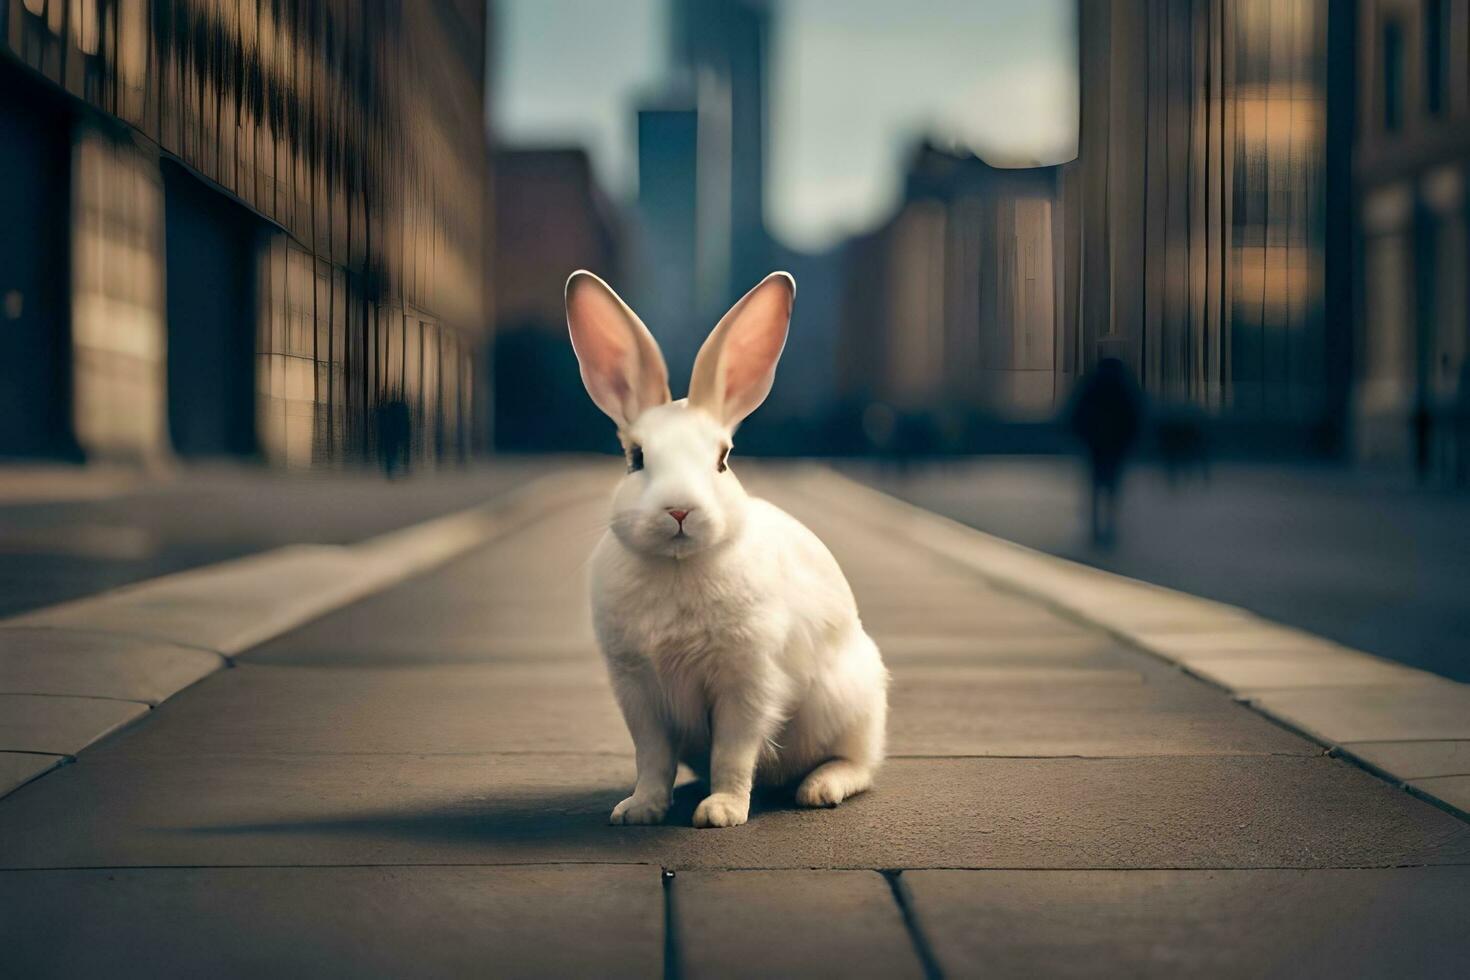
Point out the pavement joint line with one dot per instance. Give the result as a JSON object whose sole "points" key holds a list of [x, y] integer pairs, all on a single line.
{"points": [[227, 608], [9, 625], [918, 938], [576, 754], [742, 869], [1110, 603], [61, 761], [361, 864], [673, 959], [83, 697]]}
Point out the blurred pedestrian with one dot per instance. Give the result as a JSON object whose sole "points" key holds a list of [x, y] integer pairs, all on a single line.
{"points": [[1106, 414], [395, 434]]}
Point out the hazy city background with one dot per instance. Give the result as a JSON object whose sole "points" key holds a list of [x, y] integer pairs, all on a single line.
{"points": [[330, 237]]}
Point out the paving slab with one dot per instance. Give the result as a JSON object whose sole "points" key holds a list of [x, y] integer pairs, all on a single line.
{"points": [[543, 921], [558, 707], [1264, 640], [1416, 760], [1333, 694], [19, 768], [964, 712], [192, 516], [1454, 790], [1280, 811], [1401, 922], [91, 664], [227, 607], [496, 604], [1018, 619], [1247, 675], [61, 725], [73, 672], [790, 924], [939, 649], [1434, 710]]}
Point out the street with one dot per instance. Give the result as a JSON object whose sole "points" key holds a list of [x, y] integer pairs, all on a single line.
{"points": [[1370, 561], [65, 534], [419, 783]]}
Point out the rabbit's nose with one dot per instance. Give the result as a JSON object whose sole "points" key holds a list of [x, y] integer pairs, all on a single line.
{"points": [[677, 514]]}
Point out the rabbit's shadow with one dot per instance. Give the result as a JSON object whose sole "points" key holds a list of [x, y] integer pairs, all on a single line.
{"points": [[525, 820]]}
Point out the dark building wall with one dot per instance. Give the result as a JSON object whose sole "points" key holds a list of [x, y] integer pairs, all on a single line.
{"points": [[211, 244], [550, 219], [35, 315], [354, 132], [1411, 399], [950, 308], [1197, 204]]}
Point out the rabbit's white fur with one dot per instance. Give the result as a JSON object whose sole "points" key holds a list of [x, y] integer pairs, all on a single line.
{"points": [[731, 636]]}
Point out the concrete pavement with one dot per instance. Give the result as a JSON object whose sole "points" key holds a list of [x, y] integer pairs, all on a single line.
{"points": [[75, 672], [1368, 560], [418, 784], [70, 532]]}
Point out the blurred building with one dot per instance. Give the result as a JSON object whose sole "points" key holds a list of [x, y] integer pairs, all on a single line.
{"points": [[1198, 209], [702, 240], [665, 290], [237, 227], [550, 219], [723, 46], [951, 305], [1412, 164]]}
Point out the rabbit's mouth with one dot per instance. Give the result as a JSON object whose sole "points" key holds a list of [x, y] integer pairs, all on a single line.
{"points": [[655, 535]]}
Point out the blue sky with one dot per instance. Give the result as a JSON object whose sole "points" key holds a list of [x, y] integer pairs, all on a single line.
{"points": [[853, 84]]}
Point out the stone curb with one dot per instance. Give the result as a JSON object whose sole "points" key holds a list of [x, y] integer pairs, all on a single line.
{"points": [[1405, 725], [73, 673]]}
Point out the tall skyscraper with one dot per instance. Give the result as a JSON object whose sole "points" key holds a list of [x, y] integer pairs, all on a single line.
{"points": [[701, 152]]}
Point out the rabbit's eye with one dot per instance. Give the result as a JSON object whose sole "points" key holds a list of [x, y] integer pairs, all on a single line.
{"points": [[723, 463], [635, 459]]}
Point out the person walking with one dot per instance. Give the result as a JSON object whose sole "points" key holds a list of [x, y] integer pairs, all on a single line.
{"points": [[1106, 414]]}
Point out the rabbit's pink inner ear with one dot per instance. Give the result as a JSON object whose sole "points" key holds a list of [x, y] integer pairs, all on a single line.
{"points": [[737, 364], [621, 366]]}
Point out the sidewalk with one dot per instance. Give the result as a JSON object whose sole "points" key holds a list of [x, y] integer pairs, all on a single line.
{"points": [[67, 532], [418, 785], [1365, 558]]}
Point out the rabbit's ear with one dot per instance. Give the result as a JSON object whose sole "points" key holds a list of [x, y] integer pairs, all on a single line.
{"points": [[621, 364], [736, 365]]}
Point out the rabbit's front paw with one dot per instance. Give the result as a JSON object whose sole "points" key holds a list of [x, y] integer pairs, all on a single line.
{"points": [[638, 810], [722, 810]]}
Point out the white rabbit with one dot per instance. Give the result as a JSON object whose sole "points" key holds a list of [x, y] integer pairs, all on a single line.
{"points": [[731, 636]]}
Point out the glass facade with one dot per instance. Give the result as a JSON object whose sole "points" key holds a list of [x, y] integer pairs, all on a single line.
{"points": [[119, 338]]}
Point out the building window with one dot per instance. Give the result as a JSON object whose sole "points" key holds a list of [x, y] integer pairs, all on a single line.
{"points": [[1436, 30], [1393, 75]]}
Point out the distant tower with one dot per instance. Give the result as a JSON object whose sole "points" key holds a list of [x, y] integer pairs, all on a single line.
{"points": [[723, 44], [701, 156], [668, 147]]}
